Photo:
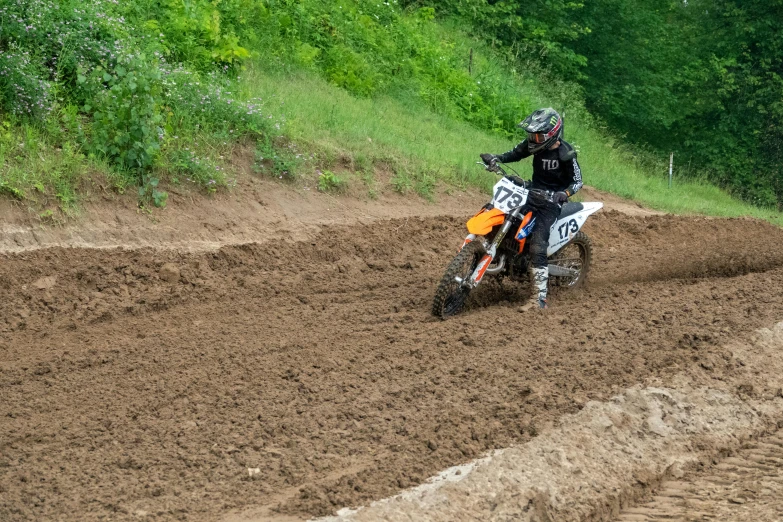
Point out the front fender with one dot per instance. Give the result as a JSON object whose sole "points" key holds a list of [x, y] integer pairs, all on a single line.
{"points": [[482, 223]]}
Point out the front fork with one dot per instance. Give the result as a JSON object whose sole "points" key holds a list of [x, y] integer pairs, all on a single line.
{"points": [[489, 257]]}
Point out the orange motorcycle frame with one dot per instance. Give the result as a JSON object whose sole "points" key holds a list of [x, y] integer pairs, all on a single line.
{"points": [[485, 220]]}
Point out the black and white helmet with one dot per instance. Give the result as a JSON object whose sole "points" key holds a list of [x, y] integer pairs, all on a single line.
{"points": [[544, 127]]}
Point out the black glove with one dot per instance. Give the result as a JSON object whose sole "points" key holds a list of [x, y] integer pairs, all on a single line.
{"points": [[489, 159], [560, 197]]}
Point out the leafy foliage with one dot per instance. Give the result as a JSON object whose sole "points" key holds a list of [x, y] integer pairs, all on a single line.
{"points": [[148, 191], [126, 115], [97, 75], [129, 82], [701, 78], [541, 31], [201, 33], [744, 82], [373, 49], [207, 101], [23, 90], [61, 36], [328, 181]]}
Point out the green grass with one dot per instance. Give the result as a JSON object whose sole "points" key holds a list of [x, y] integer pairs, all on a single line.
{"points": [[37, 169], [618, 171], [610, 165], [410, 141], [389, 140], [423, 148], [417, 149]]}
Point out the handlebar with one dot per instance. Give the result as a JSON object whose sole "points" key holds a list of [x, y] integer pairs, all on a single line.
{"points": [[495, 167]]}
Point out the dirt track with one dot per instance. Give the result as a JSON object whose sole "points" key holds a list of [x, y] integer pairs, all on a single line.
{"points": [[124, 395], [743, 487]]}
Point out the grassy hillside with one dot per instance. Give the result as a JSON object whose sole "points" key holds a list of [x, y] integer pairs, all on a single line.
{"points": [[422, 148], [332, 92]]}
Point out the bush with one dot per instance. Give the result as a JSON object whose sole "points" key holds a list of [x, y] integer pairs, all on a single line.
{"points": [[64, 36], [23, 90], [370, 49], [126, 124], [202, 33], [328, 181]]}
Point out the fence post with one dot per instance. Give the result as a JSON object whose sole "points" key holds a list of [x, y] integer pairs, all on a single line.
{"points": [[671, 169]]}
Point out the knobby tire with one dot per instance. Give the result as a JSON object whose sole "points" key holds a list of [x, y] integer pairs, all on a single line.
{"points": [[450, 296], [583, 242]]}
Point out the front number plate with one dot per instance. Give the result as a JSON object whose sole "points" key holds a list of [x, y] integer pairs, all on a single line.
{"points": [[508, 196]]}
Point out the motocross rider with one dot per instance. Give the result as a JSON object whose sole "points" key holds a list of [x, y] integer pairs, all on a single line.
{"points": [[554, 169]]}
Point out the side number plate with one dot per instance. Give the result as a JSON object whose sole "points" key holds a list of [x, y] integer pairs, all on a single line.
{"points": [[568, 229]]}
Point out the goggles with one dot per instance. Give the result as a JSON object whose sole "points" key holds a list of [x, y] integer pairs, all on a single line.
{"points": [[537, 137], [540, 138]]}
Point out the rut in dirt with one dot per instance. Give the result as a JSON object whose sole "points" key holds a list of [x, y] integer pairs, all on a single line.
{"points": [[743, 487], [142, 382]]}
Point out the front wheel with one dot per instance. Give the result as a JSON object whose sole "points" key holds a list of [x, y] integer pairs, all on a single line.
{"points": [[575, 257], [452, 293]]}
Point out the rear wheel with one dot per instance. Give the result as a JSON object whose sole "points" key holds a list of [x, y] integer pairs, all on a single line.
{"points": [[452, 294], [574, 257]]}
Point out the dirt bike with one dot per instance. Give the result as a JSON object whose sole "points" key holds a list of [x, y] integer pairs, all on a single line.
{"points": [[489, 249]]}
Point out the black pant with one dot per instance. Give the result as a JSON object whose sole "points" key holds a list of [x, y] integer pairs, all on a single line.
{"points": [[546, 213]]}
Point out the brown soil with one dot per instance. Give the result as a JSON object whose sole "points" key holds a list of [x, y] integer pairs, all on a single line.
{"points": [[745, 486], [597, 463], [258, 209], [296, 378]]}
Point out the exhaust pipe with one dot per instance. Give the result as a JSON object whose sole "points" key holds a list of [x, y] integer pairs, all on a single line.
{"points": [[501, 264]]}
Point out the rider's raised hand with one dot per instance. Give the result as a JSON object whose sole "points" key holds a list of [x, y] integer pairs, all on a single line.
{"points": [[560, 197], [489, 159]]}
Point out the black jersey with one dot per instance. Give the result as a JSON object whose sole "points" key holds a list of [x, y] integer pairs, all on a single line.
{"points": [[553, 169]]}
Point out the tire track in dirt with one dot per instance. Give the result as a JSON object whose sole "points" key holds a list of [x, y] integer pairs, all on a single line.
{"points": [[745, 486], [132, 390]]}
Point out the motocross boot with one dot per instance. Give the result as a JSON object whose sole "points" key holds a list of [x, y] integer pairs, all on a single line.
{"points": [[540, 280]]}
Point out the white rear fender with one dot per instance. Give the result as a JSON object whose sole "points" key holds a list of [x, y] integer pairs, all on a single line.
{"points": [[570, 222]]}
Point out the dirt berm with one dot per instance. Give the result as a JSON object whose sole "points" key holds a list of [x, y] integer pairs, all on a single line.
{"points": [[297, 378]]}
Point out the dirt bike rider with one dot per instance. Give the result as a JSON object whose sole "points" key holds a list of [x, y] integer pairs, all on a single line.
{"points": [[554, 169]]}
